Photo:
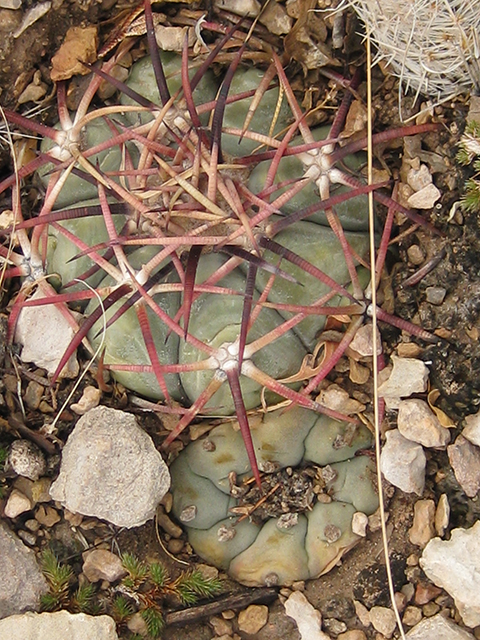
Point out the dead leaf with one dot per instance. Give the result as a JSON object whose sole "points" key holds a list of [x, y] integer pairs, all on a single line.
{"points": [[80, 45], [444, 420]]}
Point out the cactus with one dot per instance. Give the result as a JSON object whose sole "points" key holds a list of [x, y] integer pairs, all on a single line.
{"points": [[311, 527], [431, 47], [214, 285]]}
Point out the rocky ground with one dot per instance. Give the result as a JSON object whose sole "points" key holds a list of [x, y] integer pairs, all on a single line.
{"points": [[431, 454]]}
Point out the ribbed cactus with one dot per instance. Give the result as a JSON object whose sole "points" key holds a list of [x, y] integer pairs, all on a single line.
{"points": [[204, 213]]}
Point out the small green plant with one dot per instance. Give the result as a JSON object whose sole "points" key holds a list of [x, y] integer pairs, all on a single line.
{"points": [[469, 155], [62, 593], [146, 587]]}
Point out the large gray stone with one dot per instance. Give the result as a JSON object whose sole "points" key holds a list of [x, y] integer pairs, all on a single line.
{"points": [[21, 581], [438, 628], [454, 565], [111, 470], [61, 625]]}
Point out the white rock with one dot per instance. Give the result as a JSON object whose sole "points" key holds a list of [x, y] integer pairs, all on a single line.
{"points": [[417, 422], [419, 178], [359, 523], [101, 564], [17, 504], [408, 376], [438, 628], [90, 399], [45, 335], [454, 565], [383, 620], [26, 459], [111, 470], [362, 343], [425, 198], [442, 515], [403, 463], [471, 430], [308, 619], [58, 626], [465, 460]]}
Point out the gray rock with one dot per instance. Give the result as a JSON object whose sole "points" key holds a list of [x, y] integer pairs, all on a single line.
{"points": [[308, 619], [21, 581], [101, 564], [408, 376], [471, 430], [26, 459], [403, 463], [454, 565], [465, 460], [58, 626], [45, 335], [111, 470], [417, 422], [438, 628]]}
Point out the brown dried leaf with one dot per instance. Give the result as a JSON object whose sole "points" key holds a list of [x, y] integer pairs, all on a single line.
{"points": [[80, 45]]}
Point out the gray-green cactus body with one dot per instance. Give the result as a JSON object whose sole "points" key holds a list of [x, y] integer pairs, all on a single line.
{"points": [[277, 551], [124, 344], [319, 246], [62, 252], [262, 121], [76, 189], [216, 320], [142, 80], [353, 213]]}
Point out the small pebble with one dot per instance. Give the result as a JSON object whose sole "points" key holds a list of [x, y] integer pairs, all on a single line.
{"points": [[333, 626], [353, 634], [220, 626], [175, 546], [228, 614], [47, 516], [28, 537], [101, 564], [423, 529], [442, 515], [383, 620], [41, 490], [465, 460], [417, 422], [425, 592], [168, 525], [471, 430], [33, 394], [26, 459], [412, 616], [415, 255], [253, 618], [17, 503], [435, 295], [32, 525], [430, 609]]}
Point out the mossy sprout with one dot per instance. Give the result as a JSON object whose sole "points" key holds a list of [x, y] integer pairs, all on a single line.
{"points": [[147, 586], [64, 591], [469, 156]]}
